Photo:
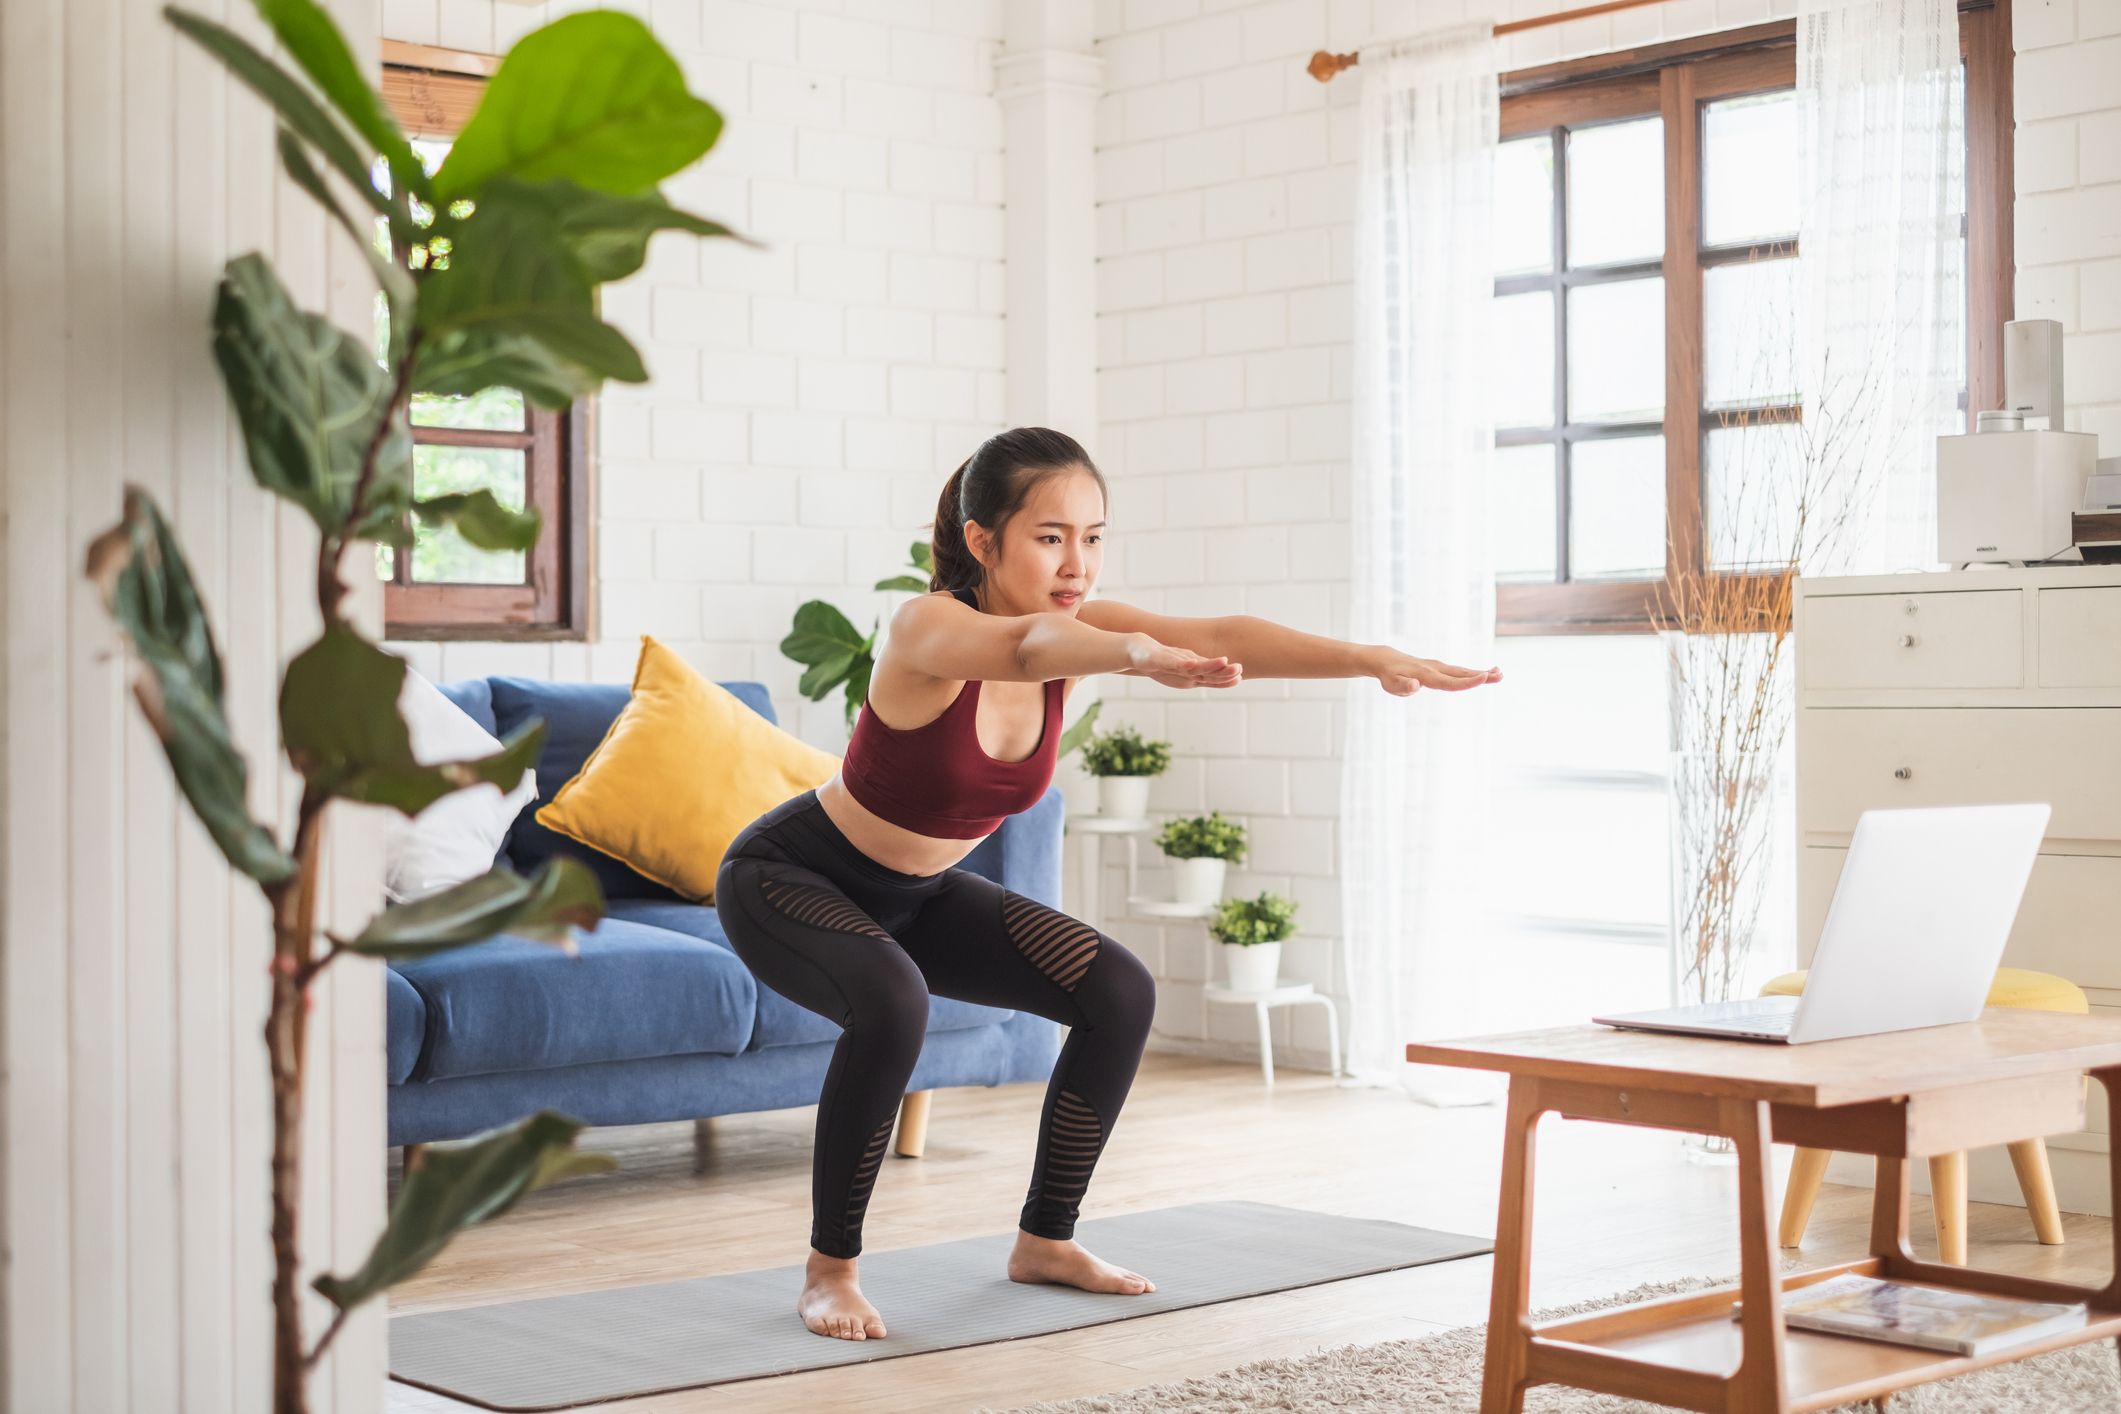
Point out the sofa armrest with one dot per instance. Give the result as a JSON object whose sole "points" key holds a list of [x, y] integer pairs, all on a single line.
{"points": [[1031, 849]]}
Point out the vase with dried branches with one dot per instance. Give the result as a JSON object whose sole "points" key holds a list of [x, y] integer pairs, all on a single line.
{"points": [[1780, 493]]}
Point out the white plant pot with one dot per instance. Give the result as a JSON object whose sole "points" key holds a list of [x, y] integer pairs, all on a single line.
{"points": [[1123, 797], [1252, 966], [1198, 880]]}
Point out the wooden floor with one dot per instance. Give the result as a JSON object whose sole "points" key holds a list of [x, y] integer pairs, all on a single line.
{"points": [[1614, 1207]]}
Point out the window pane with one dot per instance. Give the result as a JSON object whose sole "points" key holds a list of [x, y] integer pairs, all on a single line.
{"points": [[441, 556], [1749, 169], [1616, 508], [1616, 351], [1524, 366], [497, 409], [1521, 512], [1616, 192], [1524, 205], [1750, 475], [1749, 334]]}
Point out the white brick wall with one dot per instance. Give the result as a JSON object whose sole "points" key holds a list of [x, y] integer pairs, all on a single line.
{"points": [[807, 400], [2068, 233]]}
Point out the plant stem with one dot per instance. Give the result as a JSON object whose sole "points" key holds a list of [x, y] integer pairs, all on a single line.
{"points": [[330, 588], [286, 1034]]}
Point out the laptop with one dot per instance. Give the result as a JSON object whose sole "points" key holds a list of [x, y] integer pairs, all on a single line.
{"points": [[1912, 938]]}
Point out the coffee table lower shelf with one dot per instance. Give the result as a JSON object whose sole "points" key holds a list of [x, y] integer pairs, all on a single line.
{"points": [[1686, 1348]]}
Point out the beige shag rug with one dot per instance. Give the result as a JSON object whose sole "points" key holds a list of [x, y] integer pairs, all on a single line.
{"points": [[1442, 1372]]}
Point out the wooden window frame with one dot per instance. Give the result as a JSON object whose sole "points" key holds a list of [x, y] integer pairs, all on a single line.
{"points": [[1673, 81], [432, 91]]}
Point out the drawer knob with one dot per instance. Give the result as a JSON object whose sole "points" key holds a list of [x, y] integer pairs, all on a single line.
{"points": [[1911, 606], [1907, 640], [1902, 773]]}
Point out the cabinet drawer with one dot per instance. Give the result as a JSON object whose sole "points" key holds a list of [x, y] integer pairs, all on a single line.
{"points": [[2080, 637], [1853, 759], [2066, 924], [1968, 638]]}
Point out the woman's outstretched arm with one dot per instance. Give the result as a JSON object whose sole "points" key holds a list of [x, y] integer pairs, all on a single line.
{"points": [[1271, 650]]}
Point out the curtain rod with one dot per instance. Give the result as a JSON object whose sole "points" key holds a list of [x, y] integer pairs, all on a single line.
{"points": [[1325, 65]]}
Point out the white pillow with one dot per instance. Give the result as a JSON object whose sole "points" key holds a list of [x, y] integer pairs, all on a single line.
{"points": [[457, 837]]}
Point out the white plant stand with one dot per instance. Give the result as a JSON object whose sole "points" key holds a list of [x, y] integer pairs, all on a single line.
{"points": [[1286, 994], [1097, 827]]}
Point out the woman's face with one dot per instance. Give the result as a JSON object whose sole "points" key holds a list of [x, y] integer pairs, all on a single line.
{"points": [[1050, 551]]}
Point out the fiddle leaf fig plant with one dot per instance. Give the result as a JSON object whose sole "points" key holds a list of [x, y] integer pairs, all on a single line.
{"points": [[488, 271]]}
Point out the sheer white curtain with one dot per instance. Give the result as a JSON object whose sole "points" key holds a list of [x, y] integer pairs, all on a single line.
{"points": [[1881, 321], [1414, 799]]}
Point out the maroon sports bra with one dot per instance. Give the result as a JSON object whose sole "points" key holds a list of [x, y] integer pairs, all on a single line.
{"points": [[936, 779]]}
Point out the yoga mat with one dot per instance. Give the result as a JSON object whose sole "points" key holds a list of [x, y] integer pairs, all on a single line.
{"points": [[555, 1352]]}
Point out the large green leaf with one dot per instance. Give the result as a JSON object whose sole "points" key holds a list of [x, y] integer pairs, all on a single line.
{"points": [[149, 590], [858, 684], [339, 722], [591, 97], [1076, 735], [317, 45], [512, 274], [820, 632], [608, 231], [824, 675], [469, 361], [481, 519], [904, 583], [455, 1185], [294, 103], [562, 896], [309, 397]]}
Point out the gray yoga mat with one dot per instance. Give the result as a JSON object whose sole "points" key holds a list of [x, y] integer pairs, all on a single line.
{"points": [[555, 1352]]}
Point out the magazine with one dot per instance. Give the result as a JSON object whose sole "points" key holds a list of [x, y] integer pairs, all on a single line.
{"points": [[1935, 1318]]}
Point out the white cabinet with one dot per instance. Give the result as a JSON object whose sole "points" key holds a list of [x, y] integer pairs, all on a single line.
{"points": [[1969, 687]]}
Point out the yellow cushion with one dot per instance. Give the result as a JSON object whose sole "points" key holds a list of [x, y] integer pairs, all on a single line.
{"points": [[683, 768], [2014, 987]]}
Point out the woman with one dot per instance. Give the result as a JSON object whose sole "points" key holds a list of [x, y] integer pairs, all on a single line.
{"points": [[847, 900]]}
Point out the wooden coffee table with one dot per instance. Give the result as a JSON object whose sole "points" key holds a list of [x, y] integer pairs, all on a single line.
{"points": [[1904, 1095]]}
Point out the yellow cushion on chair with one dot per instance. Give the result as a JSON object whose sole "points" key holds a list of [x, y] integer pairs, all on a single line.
{"points": [[2017, 987]]}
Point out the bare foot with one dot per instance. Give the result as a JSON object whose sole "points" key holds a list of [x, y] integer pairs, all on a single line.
{"points": [[832, 1302], [1042, 1259]]}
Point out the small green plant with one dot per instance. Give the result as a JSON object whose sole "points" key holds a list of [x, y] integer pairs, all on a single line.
{"points": [[1122, 752], [1266, 919], [1207, 836], [831, 652]]}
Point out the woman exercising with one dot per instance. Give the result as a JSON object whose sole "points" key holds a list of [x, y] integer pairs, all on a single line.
{"points": [[847, 898]]}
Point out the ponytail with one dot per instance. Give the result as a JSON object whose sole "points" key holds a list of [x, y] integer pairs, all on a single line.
{"points": [[954, 567]]}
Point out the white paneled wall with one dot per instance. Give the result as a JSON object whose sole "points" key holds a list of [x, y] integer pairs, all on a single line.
{"points": [[134, 1119], [808, 400]]}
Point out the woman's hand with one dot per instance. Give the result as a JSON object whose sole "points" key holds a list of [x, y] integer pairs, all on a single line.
{"points": [[1179, 667], [1402, 674]]}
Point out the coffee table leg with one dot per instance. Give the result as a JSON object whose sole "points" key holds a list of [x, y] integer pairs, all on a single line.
{"points": [[1759, 1384], [1889, 1212], [1509, 1303]]}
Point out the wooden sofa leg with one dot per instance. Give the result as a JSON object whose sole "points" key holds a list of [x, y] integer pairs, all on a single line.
{"points": [[913, 1125], [412, 1156], [702, 1142]]}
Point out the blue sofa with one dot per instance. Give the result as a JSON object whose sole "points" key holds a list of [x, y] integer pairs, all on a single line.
{"points": [[655, 1018]]}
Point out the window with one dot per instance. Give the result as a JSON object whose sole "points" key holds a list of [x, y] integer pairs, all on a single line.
{"points": [[1646, 212], [497, 440]]}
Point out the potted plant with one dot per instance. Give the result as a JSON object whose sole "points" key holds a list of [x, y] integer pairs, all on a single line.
{"points": [[1124, 764], [1201, 849], [1251, 930], [489, 269]]}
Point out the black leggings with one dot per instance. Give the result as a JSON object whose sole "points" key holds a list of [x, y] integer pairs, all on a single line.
{"points": [[829, 928]]}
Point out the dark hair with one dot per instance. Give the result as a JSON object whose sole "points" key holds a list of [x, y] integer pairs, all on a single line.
{"points": [[990, 487]]}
